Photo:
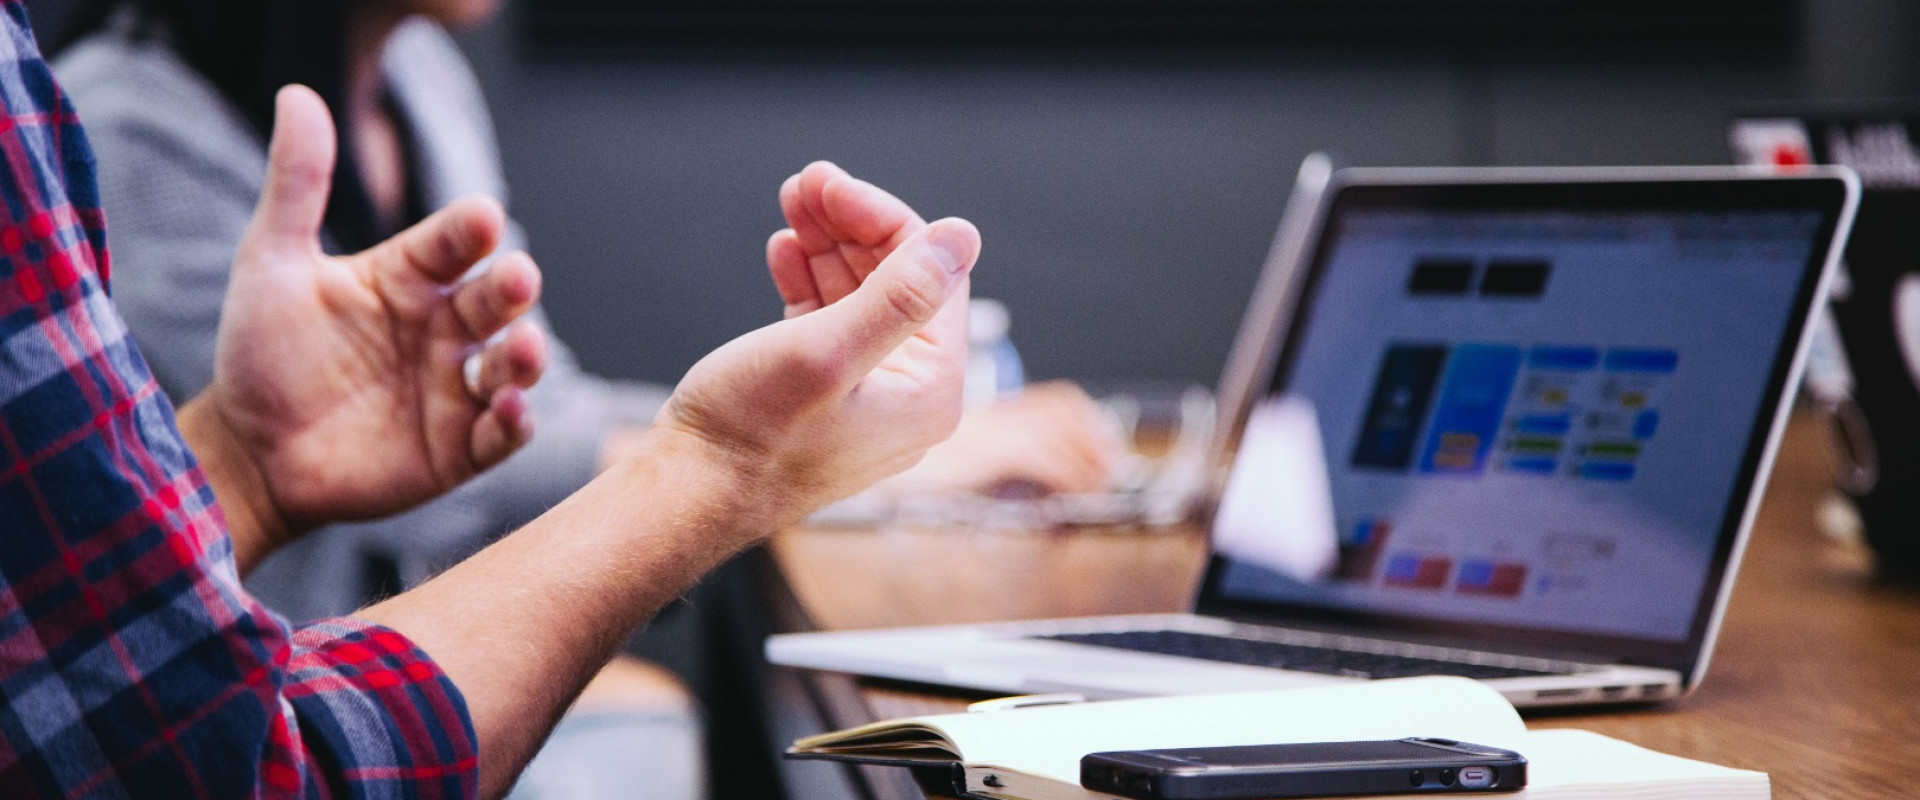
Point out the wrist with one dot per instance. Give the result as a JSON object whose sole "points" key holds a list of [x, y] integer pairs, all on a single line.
{"points": [[732, 493], [253, 518]]}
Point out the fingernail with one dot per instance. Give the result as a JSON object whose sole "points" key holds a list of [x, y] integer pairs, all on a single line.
{"points": [[951, 246]]}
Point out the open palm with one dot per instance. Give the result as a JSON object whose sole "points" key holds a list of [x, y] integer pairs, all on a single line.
{"points": [[342, 376]]}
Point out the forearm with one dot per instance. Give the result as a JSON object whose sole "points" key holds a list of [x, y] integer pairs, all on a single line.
{"points": [[253, 520], [523, 625]]}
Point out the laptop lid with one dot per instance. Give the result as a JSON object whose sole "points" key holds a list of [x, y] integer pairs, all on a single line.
{"points": [[1527, 411]]}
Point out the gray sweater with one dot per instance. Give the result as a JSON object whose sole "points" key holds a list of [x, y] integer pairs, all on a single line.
{"points": [[180, 171]]}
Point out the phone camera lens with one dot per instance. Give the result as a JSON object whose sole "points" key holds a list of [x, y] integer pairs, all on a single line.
{"points": [[1446, 777], [1417, 778]]}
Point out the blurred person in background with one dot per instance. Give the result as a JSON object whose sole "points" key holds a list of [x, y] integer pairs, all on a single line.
{"points": [[178, 98]]}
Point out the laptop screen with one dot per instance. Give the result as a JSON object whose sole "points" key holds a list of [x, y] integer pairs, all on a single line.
{"points": [[1522, 411]]}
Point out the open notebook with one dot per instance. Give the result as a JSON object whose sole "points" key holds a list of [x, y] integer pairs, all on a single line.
{"points": [[1034, 753]]}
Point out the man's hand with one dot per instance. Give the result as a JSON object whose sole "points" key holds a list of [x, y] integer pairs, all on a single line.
{"points": [[856, 384], [839, 229], [864, 374], [338, 389], [1051, 436]]}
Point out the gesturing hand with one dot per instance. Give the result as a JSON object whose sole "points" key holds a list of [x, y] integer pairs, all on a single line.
{"points": [[839, 229], [864, 374], [338, 382]]}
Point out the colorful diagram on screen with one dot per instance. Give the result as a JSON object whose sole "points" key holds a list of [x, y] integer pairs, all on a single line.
{"points": [[1545, 410], [1365, 558], [1473, 401], [1625, 415], [1478, 410]]}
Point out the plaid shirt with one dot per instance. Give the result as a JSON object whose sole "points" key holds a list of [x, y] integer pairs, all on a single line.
{"points": [[132, 664]]}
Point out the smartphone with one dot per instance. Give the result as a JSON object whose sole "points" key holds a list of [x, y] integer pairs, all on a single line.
{"points": [[1321, 769]]}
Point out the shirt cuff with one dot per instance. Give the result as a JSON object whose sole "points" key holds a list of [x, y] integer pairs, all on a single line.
{"points": [[377, 716]]}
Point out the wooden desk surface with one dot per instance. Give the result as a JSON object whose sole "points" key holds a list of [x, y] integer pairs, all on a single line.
{"points": [[1816, 677]]}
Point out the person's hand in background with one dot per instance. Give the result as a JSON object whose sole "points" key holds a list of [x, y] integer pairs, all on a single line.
{"points": [[1049, 438], [339, 390]]}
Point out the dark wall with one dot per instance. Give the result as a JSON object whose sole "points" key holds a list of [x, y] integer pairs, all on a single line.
{"points": [[1125, 207], [1127, 191]]}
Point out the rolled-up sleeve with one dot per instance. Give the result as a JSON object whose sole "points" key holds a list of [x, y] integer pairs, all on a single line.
{"points": [[376, 714]]}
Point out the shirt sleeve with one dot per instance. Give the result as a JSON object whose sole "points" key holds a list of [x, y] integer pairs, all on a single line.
{"points": [[131, 661], [376, 713]]}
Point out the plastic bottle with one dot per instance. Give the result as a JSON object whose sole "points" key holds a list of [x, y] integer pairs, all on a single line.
{"points": [[993, 365]]}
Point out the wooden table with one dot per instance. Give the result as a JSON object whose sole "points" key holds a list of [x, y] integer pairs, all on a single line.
{"points": [[1816, 678]]}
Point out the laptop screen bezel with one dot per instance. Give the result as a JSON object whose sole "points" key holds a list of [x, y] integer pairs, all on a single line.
{"points": [[1826, 192]]}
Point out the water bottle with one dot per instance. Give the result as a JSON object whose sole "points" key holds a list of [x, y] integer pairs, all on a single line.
{"points": [[993, 365]]}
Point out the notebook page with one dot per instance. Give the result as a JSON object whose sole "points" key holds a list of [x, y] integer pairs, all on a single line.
{"points": [[1049, 741], [1576, 765]]}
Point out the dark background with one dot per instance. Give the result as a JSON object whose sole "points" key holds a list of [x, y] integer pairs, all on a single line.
{"points": [[1127, 182]]}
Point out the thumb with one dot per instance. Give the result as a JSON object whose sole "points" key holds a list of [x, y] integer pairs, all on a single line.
{"points": [[906, 295], [300, 160]]}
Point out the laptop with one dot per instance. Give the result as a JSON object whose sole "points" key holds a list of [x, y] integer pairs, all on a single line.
{"points": [[1506, 424]]}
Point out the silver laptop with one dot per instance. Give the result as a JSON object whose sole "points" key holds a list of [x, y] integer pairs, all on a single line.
{"points": [[1506, 424]]}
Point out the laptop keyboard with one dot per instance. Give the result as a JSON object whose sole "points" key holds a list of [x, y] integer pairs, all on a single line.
{"points": [[1305, 658]]}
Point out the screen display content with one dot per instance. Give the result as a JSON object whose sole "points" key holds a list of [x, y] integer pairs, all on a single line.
{"points": [[1528, 418]]}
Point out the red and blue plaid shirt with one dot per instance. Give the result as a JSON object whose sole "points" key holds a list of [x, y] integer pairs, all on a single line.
{"points": [[131, 661]]}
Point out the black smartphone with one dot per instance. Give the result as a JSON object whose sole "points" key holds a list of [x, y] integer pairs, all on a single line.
{"points": [[1320, 769]]}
